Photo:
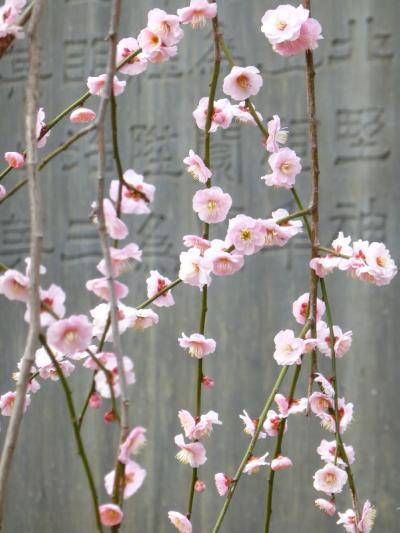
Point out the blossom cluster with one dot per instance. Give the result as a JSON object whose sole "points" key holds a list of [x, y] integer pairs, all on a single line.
{"points": [[10, 13]]}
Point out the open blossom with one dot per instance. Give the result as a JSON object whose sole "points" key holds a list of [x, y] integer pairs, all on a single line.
{"points": [[300, 305], [104, 381], [288, 348], [324, 265], [134, 475], [250, 425], [116, 228], [197, 13], [330, 479], [180, 521], [82, 115], [101, 288], [14, 285], [196, 167], [132, 201], [9, 15], [212, 204], [327, 451], [325, 384], [281, 463], [222, 114], [100, 313], [121, 259], [320, 403], [276, 135], [7, 401], [341, 342], [246, 234], [310, 34], [156, 283], [165, 25], [379, 267], [70, 335], [195, 269], [224, 263], [242, 82], [194, 241], [348, 520], [345, 417], [197, 345], [193, 453], [222, 483], [15, 159], [288, 407], [154, 49], [52, 299], [272, 423], [40, 128], [143, 319], [279, 233], [368, 516], [285, 166], [46, 368], [242, 114], [133, 443], [254, 463], [135, 65], [328, 507], [283, 23], [96, 85], [197, 429], [110, 514]]}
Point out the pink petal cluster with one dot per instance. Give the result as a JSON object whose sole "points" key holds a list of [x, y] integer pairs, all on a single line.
{"points": [[288, 406], [288, 348], [135, 65], [46, 368], [7, 401], [348, 519], [99, 314], [326, 506], [143, 319], [196, 429], [110, 514], [121, 259], [159, 39], [156, 283], [96, 85], [82, 115], [180, 521], [212, 204], [133, 202], [115, 227], [327, 450], [197, 345], [246, 234], [278, 233], [134, 476], [250, 425], [104, 381], [15, 159], [9, 14], [222, 483], [194, 241], [276, 135], [281, 463], [242, 114], [71, 334], [272, 423], [14, 285], [330, 479], [224, 263], [285, 166], [198, 12], [41, 128], [195, 269], [341, 341], [242, 82], [193, 453], [222, 114], [300, 306], [196, 167], [254, 464], [310, 34], [133, 443], [100, 287]]}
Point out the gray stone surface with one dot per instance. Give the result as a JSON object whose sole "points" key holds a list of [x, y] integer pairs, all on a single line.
{"points": [[358, 109]]}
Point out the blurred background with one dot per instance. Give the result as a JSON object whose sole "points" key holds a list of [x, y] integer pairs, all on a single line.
{"points": [[358, 111]]}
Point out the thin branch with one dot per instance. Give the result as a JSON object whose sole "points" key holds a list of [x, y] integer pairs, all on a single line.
{"points": [[36, 239]]}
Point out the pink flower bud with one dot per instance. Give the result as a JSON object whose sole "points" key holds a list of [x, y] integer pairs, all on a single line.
{"points": [[208, 382], [14, 159], [95, 401], [109, 417], [199, 486], [82, 114], [281, 463]]}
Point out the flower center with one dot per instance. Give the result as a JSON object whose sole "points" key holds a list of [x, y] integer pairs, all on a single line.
{"points": [[381, 261], [71, 336], [245, 234], [243, 81], [281, 25], [330, 478], [198, 19], [212, 205], [285, 167]]}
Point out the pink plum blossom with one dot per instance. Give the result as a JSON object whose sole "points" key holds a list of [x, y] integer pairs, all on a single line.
{"points": [[194, 269], [224, 263], [197, 429], [115, 227], [132, 201], [250, 425], [15, 159], [208, 382], [327, 450], [242, 82], [324, 265], [155, 50], [246, 234], [110, 514], [254, 463], [156, 283], [199, 486], [7, 401], [281, 463], [283, 23], [133, 443], [193, 453], [100, 313], [3, 192], [52, 299], [197, 13], [288, 406], [194, 241], [285, 166], [212, 204], [379, 267], [134, 475], [345, 417], [104, 381], [272, 423], [40, 128], [82, 115], [46, 368], [196, 167], [197, 345], [325, 384], [222, 114], [310, 34], [14, 285], [288, 348], [326, 506], [276, 135], [121, 259], [368, 516], [9, 15], [135, 65], [100, 287], [222, 483], [342, 341], [165, 25], [279, 233], [143, 319], [348, 520], [300, 305], [330, 479], [320, 403], [96, 85], [95, 401], [71, 334], [180, 521], [242, 114]]}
